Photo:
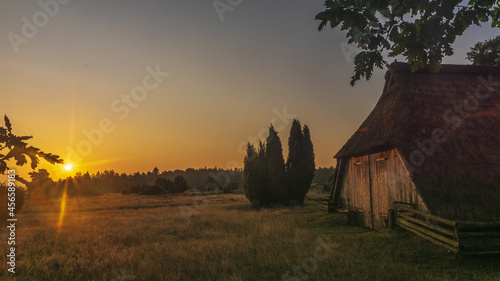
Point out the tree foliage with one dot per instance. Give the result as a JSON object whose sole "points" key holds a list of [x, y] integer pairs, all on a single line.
{"points": [[309, 163], [276, 168], [486, 53], [41, 186], [422, 31], [21, 196], [164, 185], [255, 174], [268, 179], [18, 150], [300, 162]]}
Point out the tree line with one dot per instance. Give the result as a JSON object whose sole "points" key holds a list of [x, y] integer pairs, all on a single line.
{"points": [[42, 186], [268, 179]]}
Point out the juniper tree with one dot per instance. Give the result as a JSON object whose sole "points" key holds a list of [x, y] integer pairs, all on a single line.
{"points": [[309, 164], [276, 168], [300, 162], [249, 173], [293, 164], [262, 176]]}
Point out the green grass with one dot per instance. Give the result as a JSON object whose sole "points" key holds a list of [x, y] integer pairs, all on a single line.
{"points": [[128, 237]]}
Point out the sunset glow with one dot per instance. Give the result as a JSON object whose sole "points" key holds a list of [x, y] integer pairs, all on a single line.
{"points": [[142, 84], [233, 140]]}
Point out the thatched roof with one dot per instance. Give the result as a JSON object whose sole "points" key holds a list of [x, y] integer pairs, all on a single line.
{"points": [[461, 178]]}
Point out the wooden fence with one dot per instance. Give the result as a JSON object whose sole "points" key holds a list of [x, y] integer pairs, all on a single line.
{"points": [[466, 238], [327, 205]]}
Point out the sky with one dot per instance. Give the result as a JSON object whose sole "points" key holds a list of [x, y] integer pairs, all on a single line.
{"points": [[133, 85]]}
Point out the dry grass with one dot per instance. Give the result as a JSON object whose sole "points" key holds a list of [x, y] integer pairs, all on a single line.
{"points": [[122, 237]]}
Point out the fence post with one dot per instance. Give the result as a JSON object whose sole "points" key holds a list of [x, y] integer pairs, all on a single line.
{"points": [[392, 218]]}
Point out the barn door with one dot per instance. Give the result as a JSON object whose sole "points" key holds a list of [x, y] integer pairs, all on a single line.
{"points": [[360, 167], [379, 190]]}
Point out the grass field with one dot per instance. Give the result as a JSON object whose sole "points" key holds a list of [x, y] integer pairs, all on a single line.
{"points": [[131, 237]]}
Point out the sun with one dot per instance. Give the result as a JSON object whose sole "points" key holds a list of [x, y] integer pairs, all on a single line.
{"points": [[68, 167]]}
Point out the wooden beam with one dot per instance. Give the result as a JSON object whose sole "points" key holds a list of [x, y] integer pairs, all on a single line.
{"points": [[478, 234], [437, 242], [473, 253], [425, 224], [481, 248], [434, 235], [465, 226], [404, 203], [341, 210], [334, 187], [426, 215]]}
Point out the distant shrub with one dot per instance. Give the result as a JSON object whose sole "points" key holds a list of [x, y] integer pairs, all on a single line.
{"points": [[135, 189], [327, 187], [153, 190], [21, 194], [230, 187], [164, 186], [180, 184]]}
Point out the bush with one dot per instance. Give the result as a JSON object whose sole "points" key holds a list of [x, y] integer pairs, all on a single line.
{"points": [[327, 187], [230, 187], [180, 184], [163, 186], [21, 194], [153, 190]]}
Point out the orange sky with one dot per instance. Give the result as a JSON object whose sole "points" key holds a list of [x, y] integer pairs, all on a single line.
{"points": [[227, 79]]}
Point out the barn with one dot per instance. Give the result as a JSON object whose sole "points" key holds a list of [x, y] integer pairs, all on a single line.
{"points": [[432, 141]]}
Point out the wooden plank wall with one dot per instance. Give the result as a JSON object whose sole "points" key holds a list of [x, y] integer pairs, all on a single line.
{"points": [[388, 179], [355, 189]]}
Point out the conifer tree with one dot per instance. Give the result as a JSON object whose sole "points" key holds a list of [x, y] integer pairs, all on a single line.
{"points": [[268, 179], [262, 180], [300, 162], [294, 161], [276, 168], [249, 173], [309, 164]]}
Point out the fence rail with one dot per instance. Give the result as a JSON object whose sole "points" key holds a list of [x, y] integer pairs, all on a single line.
{"points": [[327, 205], [466, 238]]}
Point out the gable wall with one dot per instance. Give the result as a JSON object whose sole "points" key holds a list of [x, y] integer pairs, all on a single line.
{"points": [[372, 182]]}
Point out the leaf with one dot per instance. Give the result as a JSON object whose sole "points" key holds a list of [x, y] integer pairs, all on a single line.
{"points": [[18, 139], [423, 31], [434, 66], [3, 167], [32, 154], [51, 158], [7, 124], [20, 160]]}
